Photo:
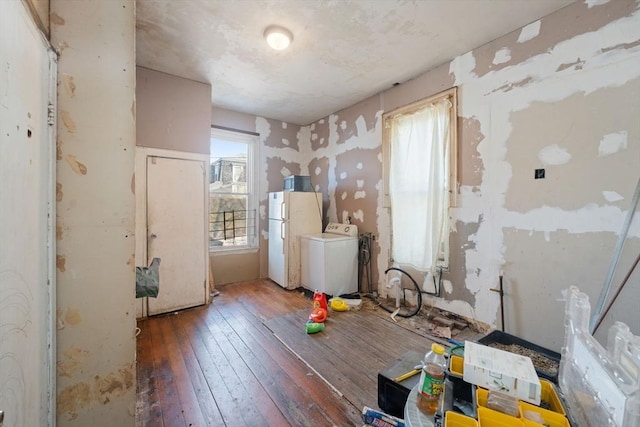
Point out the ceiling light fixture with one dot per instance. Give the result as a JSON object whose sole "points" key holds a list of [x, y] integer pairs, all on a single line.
{"points": [[277, 37]]}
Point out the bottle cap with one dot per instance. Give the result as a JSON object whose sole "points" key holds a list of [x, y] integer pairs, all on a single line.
{"points": [[437, 348]]}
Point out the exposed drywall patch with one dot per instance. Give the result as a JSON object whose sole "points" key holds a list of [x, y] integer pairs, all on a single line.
{"points": [[612, 143], [589, 128], [61, 260], [69, 85], [470, 135], [554, 155], [113, 385], [591, 218], [607, 74], [59, 192], [59, 145], [585, 22], [533, 288], [502, 56], [319, 135], [72, 399], [612, 196], [77, 166], [512, 85], [103, 389], [60, 230], [594, 3], [529, 32], [285, 172], [462, 241], [576, 65], [56, 19], [72, 316], [263, 128], [623, 46], [284, 125], [68, 122], [277, 170], [273, 134], [74, 360], [359, 166], [356, 184], [320, 167]]}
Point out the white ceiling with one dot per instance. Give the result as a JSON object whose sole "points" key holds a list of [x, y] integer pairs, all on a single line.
{"points": [[343, 50]]}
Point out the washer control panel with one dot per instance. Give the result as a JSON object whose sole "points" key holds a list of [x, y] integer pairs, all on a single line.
{"points": [[342, 229]]}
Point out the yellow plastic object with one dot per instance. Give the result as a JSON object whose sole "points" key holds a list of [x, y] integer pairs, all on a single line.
{"points": [[482, 395], [456, 365], [551, 419], [338, 304], [490, 418], [549, 395], [453, 419]]}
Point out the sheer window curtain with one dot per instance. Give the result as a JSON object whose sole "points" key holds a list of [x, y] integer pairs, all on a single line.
{"points": [[419, 184]]}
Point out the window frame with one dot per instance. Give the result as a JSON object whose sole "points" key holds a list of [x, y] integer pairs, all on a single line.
{"points": [[252, 140], [452, 95]]}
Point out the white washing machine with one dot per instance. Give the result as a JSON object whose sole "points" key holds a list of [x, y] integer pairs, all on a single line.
{"points": [[329, 260]]}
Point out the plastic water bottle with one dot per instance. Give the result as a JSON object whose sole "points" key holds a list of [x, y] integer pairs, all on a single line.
{"points": [[431, 379]]}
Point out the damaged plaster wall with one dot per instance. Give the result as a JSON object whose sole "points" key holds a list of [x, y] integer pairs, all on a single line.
{"points": [[559, 94], [95, 221]]}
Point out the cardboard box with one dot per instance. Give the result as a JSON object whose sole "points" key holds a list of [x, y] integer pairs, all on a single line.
{"points": [[500, 370]]}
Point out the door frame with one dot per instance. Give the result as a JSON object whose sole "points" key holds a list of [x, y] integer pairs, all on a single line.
{"points": [[140, 189]]}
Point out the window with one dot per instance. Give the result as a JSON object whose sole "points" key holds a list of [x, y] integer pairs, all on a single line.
{"points": [[420, 177], [232, 188]]}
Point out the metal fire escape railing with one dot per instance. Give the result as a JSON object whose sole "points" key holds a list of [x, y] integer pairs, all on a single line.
{"points": [[231, 228]]}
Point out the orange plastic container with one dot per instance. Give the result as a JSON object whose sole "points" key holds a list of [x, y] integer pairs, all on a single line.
{"points": [[551, 419], [454, 419], [490, 418]]}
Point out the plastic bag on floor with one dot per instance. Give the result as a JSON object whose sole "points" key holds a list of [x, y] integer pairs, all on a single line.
{"points": [[148, 280]]}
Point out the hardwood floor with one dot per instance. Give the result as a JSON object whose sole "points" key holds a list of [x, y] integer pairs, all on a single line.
{"points": [[232, 363]]}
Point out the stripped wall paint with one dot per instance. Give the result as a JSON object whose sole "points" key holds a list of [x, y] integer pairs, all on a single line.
{"points": [[95, 222]]}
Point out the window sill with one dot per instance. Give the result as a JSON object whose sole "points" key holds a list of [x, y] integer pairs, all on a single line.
{"points": [[233, 251]]}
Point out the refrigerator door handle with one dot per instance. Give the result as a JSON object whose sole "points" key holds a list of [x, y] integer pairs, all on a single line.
{"points": [[282, 211], [282, 224]]}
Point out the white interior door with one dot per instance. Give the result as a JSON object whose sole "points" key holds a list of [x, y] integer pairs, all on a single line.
{"points": [[27, 207], [177, 231]]}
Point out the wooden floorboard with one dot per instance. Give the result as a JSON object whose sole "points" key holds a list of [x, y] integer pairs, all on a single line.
{"points": [[246, 360]]}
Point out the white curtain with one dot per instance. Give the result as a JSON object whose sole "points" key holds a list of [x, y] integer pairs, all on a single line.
{"points": [[419, 184]]}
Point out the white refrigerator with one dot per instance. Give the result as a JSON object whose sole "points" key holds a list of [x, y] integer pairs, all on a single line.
{"points": [[291, 214]]}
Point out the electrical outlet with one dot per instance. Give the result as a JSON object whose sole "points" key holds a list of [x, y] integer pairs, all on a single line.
{"points": [[539, 174]]}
